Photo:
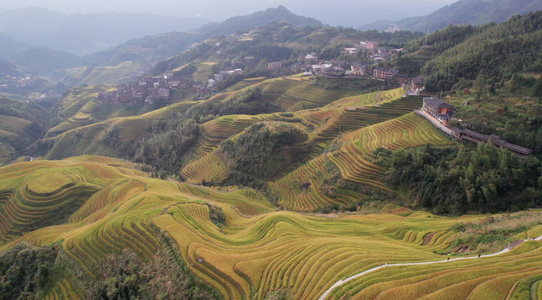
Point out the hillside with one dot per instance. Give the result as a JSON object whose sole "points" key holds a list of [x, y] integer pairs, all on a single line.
{"points": [[21, 124], [41, 60], [256, 19], [83, 34], [497, 51], [269, 182], [7, 68], [99, 227], [10, 46], [172, 42], [471, 12], [308, 120]]}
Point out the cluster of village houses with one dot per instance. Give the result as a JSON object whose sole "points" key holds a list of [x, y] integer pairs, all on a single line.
{"points": [[17, 82], [314, 66], [150, 89], [221, 76], [146, 90], [14, 83]]}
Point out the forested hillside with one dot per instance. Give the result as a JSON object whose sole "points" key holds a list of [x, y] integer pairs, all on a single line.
{"points": [[463, 12], [498, 52], [21, 124]]}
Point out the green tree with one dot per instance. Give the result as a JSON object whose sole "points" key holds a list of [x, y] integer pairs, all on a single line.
{"points": [[537, 92], [480, 85]]}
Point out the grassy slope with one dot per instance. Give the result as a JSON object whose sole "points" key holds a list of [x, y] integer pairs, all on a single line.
{"points": [[85, 122], [344, 116], [120, 73], [258, 250], [322, 114]]}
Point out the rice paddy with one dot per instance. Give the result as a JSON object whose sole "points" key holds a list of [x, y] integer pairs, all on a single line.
{"points": [[107, 206], [11, 125]]}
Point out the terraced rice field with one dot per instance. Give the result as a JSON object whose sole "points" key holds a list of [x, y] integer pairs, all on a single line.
{"points": [[516, 275], [211, 167], [293, 95], [355, 161], [359, 101], [328, 123], [204, 71], [245, 83], [257, 250], [12, 124]]}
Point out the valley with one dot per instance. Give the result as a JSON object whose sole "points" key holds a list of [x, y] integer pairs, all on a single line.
{"points": [[272, 157]]}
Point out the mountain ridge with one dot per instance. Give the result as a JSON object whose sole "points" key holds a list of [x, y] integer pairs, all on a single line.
{"points": [[472, 12], [83, 34]]}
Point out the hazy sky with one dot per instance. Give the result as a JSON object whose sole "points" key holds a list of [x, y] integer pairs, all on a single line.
{"points": [[334, 12]]}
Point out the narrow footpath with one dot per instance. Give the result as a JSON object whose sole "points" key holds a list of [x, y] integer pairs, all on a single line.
{"points": [[341, 282]]}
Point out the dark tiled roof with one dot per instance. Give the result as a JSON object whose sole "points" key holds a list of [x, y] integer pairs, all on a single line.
{"points": [[495, 140], [385, 69], [476, 135], [436, 103], [417, 80]]}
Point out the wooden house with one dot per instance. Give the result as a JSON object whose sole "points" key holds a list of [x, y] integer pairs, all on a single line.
{"points": [[438, 109]]}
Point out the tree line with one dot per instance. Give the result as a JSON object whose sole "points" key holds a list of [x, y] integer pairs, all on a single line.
{"points": [[459, 179]]}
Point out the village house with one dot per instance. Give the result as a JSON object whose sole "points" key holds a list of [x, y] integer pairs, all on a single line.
{"points": [[417, 83], [369, 45], [249, 59], [400, 79], [360, 70], [351, 51], [211, 83], [150, 89], [173, 83], [163, 93], [310, 59], [384, 74], [333, 71], [438, 109], [274, 65], [316, 69], [384, 53], [221, 76]]}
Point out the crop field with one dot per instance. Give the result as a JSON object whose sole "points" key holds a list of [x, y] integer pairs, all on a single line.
{"points": [[120, 73], [12, 124], [512, 276], [370, 99], [204, 71], [220, 129], [327, 123], [354, 160], [211, 167], [245, 83], [85, 139], [293, 95], [106, 207]]}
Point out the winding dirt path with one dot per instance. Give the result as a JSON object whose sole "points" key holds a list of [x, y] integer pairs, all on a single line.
{"points": [[341, 282]]}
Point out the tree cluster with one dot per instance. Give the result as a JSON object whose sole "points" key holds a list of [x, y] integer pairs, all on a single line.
{"points": [[456, 180], [496, 50], [260, 154]]}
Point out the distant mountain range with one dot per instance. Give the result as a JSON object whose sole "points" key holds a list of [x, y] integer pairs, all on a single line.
{"points": [[168, 44], [34, 57], [85, 34], [473, 12]]}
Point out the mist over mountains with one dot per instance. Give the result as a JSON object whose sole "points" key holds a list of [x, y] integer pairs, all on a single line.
{"points": [[83, 34], [472, 12]]}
